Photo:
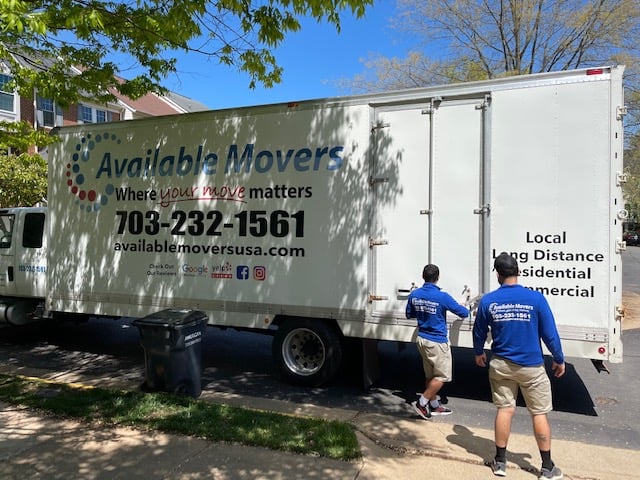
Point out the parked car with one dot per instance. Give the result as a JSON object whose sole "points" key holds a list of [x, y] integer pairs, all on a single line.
{"points": [[632, 238]]}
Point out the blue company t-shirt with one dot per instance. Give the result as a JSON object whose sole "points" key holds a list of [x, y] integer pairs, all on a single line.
{"points": [[518, 318], [429, 305]]}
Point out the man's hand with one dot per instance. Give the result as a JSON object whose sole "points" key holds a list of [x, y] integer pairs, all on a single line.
{"points": [[472, 305], [558, 369], [481, 360]]}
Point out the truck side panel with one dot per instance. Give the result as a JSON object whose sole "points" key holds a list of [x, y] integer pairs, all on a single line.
{"points": [[247, 214]]}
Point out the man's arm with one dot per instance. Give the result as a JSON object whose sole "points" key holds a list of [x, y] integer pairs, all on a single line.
{"points": [[549, 333], [410, 312], [480, 330], [455, 308]]}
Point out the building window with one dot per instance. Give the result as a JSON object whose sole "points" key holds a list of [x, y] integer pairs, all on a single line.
{"points": [[86, 114], [47, 107], [6, 95]]}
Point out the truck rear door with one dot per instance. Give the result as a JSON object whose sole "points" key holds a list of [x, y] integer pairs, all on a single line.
{"points": [[427, 193]]}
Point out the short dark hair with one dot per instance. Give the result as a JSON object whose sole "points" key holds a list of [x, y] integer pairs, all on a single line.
{"points": [[431, 273], [506, 265]]}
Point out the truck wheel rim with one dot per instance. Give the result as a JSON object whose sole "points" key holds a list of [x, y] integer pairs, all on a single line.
{"points": [[303, 352]]}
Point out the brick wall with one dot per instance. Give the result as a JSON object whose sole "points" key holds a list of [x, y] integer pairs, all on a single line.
{"points": [[27, 110], [70, 115]]}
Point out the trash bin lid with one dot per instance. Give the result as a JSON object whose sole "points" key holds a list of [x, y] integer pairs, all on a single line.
{"points": [[172, 317]]}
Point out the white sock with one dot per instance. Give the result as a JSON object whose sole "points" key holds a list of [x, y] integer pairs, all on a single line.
{"points": [[422, 400], [435, 403]]}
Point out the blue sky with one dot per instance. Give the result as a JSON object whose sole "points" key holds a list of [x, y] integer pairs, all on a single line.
{"points": [[313, 59]]}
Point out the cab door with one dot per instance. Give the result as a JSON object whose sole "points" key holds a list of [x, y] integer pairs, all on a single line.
{"points": [[7, 258], [31, 273]]}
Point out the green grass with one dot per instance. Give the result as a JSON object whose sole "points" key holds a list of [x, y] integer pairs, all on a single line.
{"points": [[184, 415]]}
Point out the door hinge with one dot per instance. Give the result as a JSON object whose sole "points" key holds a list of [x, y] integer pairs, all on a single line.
{"points": [[621, 111], [485, 103], [431, 109], [621, 178], [375, 180], [379, 126], [377, 243], [374, 298], [483, 210]]}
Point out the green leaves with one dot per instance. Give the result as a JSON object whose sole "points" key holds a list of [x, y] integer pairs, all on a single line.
{"points": [[88, 33], [23, 176], [23, 180]]}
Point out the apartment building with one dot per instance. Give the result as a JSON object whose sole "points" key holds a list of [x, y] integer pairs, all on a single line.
{"points": [[44, 113]]}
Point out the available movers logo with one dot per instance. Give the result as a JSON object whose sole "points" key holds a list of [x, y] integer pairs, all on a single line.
{"points": [[182, 162], [94, 159], [88, 198]]}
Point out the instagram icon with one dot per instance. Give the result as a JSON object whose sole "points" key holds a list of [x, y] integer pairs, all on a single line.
{"points": [[259, 273]]}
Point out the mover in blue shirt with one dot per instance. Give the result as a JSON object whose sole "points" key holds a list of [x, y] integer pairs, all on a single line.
{"points": [[429, 305], [519, 319]]}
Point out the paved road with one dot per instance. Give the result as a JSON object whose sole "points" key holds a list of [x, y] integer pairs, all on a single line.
{"points": [[591, 407], [631, 269]]}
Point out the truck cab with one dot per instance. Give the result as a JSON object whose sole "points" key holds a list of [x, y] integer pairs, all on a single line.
{"points": [[23, 264]]}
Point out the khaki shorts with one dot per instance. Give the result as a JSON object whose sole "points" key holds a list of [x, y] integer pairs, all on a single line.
{"points": [[436, 359], [506, 377]]}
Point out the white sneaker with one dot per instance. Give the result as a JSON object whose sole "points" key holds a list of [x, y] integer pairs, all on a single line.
{"points": [[554, 474]]}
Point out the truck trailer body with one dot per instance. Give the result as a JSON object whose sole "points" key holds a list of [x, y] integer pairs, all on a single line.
{"points": [[313, 220]]}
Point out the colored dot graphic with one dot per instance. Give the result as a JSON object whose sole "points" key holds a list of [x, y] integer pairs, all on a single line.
{"points": [[88, 199]]}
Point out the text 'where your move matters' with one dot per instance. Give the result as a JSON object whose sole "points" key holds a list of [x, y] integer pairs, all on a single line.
{"points": [[166, 196]]}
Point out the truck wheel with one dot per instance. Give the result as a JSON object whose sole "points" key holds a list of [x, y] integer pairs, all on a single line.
{"points": [[308, 352]]}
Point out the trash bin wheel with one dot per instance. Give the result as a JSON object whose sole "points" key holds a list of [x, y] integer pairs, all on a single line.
{"points": [[185, 389]]}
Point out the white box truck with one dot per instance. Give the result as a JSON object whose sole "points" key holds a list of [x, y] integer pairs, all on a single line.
{"points": [[312, 220]]}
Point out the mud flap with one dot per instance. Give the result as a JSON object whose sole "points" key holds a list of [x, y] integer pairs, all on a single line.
{"points": [[370, 362]]}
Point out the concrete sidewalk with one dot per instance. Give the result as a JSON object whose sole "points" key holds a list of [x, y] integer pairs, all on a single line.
{"points": [[39, 446]]}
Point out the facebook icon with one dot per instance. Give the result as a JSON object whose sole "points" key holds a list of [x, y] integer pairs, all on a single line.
{"points": [[242, 272]]}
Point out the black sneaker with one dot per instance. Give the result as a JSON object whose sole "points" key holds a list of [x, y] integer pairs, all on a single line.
{"points": [[498, 468], [554, 474], [424, 412]]}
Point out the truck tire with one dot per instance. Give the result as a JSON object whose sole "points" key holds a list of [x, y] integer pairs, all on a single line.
{"points": [[307, 352]]}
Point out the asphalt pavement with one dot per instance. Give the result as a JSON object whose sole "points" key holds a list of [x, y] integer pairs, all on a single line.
{"points": [[33, 445]]}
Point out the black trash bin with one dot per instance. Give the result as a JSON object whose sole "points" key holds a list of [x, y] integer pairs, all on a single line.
{"points": [[172, 342]]}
